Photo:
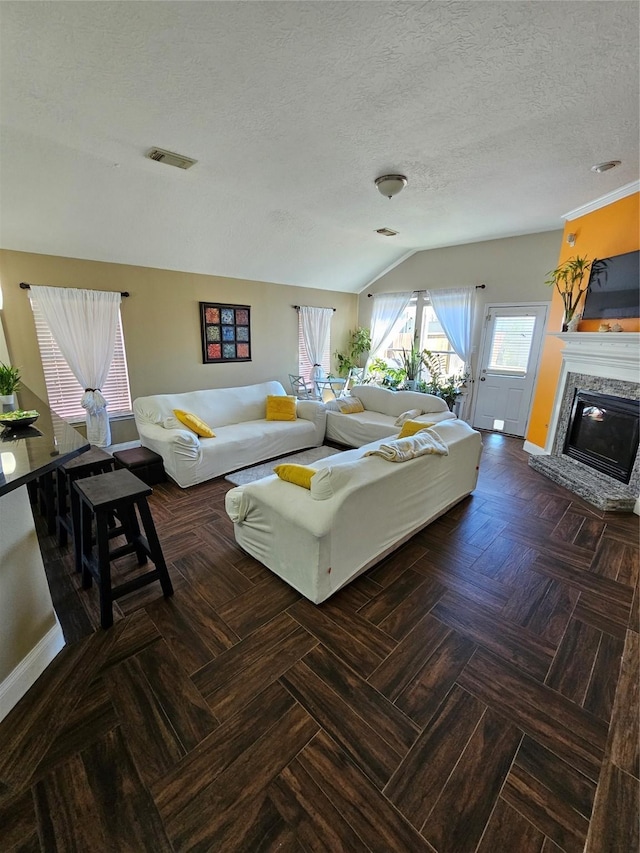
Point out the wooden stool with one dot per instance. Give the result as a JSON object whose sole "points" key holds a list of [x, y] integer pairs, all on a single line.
{"points": [[144, 463], [94, 461], [44, 496], [118, 492]]}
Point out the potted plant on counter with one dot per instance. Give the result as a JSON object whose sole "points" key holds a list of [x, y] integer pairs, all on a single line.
{"points": [[9, 384]]}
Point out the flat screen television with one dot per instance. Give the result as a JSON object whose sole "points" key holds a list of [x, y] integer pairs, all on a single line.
{"points": [[614, 288]]}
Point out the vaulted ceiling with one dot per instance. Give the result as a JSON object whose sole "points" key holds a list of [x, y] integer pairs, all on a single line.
{"points": [[495, 112]]}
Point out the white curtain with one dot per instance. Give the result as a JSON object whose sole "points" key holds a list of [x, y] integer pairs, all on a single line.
{"points": [[84, 323], [316, 329], [454, 309], [387, 310]]}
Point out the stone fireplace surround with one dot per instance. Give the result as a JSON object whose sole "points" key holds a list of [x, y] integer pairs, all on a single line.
{"points": [[606, 363]]}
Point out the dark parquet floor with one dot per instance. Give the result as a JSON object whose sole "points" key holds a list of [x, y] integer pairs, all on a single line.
{"points": [[476, 691]]}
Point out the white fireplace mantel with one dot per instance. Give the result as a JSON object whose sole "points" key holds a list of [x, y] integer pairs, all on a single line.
{"points": [[613, 355]]}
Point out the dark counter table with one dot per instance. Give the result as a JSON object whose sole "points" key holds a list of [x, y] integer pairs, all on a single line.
{"points": [[36, 449]]}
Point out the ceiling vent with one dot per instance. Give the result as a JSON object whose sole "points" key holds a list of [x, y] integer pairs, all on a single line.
{"points": [[170, 158], [386, 232]]}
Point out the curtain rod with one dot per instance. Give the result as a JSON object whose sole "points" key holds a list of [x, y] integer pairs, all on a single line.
{"points": [[25, 286], [478, 287], [297, 307]]}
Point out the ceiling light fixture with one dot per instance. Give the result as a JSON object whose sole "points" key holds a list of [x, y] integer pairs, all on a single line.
{"points": [[390, 185], [604, 167], [387, 232]]}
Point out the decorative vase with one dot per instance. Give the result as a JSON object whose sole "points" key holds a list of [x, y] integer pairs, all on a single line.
{"points": [[574, 322], [567, 319], [7, 402], [410, 384], [317, 373]]}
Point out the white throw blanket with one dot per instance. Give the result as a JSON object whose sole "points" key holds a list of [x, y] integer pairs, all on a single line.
{"points": [[402, 449]]}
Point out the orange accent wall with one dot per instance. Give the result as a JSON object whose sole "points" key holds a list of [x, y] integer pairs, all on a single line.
{"points": [[611, 230]]}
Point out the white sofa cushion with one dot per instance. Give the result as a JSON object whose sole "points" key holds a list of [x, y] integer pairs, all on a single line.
{"points": [[394, 403], [327, 482]]}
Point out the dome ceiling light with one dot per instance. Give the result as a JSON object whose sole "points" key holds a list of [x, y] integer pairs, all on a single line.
{"points": [[604, 167], [390, 185]]}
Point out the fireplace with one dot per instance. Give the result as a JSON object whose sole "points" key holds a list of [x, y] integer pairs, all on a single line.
{"points": [[592, 441], [603, 433]]}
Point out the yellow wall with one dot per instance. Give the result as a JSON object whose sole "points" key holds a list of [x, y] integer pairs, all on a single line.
{"points": [[611, 230], [161, 323]]}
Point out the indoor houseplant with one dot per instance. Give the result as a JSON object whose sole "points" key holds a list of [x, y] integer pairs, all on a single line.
{"points": [[9, 384], [447, 387], [411, 364], [569, 280], [359, 344]]}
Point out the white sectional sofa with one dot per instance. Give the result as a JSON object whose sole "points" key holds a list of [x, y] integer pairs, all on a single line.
{"points": [[318, 546], [382, 408], [242, 434]]}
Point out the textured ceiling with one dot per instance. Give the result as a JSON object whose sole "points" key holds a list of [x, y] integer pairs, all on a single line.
{"points": [[494, 110]]}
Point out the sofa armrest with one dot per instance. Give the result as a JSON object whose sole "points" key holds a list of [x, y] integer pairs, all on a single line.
{"points": [[164, 441], [314, 411]]}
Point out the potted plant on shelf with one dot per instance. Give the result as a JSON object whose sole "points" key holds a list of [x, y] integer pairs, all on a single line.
{"points": [[569, 280], [9, 384]]}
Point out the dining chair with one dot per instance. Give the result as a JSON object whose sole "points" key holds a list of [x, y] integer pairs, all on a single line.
{"points": [[355, 376], [301, 388]]}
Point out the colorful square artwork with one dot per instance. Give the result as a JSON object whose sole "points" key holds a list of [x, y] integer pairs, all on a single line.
{"points": [[226, 332]]}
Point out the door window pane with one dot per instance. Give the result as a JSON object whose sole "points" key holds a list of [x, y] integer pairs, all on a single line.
{"points": [[511, 344]]}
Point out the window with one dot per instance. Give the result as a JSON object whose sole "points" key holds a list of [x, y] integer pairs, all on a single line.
{"points": [[304, 365], [64, 390], [420, 322], [511, 345]]}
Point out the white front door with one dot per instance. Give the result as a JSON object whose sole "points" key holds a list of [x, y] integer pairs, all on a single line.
{"points": [[509, 356]]}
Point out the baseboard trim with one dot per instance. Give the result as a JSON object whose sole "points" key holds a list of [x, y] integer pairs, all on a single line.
{"points": [[30, 668], [533, 449]]}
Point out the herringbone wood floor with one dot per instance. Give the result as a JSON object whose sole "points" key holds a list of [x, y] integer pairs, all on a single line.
{"points": [[467, 694]]}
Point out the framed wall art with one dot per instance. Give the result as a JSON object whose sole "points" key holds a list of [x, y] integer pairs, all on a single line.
{"points": [[226, 332]]}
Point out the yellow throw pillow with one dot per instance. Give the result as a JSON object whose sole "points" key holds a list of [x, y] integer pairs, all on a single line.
{"points": [[193, 422], [350, 405], [281, 408], [412, 427], [299, 475]]}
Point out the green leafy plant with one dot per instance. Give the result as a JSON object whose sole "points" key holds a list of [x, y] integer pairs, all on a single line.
{"points": [[439, 384], [9, 379], [359, 343], [380, 373], [412, 363], [569, 281]]}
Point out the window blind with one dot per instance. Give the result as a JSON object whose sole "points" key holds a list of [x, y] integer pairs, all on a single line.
{"points": [[64, 390], [304, 365], [511, 344]]}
